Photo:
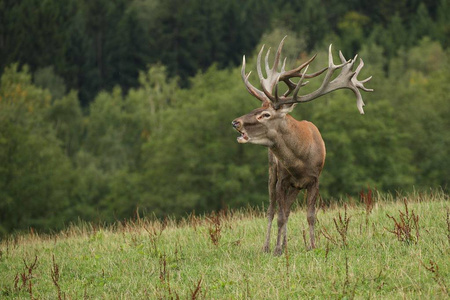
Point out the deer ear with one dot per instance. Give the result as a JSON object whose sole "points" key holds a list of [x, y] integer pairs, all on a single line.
{"points": [[286, 108]]}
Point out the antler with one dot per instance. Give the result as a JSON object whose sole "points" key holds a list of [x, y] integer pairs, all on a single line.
{"points": [[346, 79]]}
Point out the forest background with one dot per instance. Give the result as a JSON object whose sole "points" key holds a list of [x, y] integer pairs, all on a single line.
{"points": [[113, 109]]}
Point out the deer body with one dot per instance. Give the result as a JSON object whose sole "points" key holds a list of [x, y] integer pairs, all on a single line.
{"points": [[296, 148], [296, 159], [299, 147]]}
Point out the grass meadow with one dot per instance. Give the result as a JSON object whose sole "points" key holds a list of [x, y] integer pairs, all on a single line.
{"points": [[381, 247]]}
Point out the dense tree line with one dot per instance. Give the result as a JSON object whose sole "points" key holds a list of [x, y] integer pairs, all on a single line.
{"points": [[96, 45], [110, 109]]}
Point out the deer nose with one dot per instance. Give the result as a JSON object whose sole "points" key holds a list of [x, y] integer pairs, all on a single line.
{"points": [[236, 124]]}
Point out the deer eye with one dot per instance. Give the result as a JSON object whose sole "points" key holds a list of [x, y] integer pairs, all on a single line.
{"points": [[266, 115]]}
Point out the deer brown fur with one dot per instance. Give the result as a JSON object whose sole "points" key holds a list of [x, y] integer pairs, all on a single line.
{"points": [[296, 148]]}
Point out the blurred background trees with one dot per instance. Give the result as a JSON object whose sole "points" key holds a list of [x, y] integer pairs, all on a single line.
{"points": [[110, 109]]}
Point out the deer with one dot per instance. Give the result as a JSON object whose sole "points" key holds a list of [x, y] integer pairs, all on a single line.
{"points": [[296, 149]]}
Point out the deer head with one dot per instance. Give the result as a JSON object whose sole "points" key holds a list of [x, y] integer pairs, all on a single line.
{"points": [[261, 125]]}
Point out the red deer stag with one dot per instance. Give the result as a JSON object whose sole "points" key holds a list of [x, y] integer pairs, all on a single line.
{"points": [[296, 148]]}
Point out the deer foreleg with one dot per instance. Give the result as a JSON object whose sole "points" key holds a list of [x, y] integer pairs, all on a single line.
{"points": [[287, 198], [291, 196], [270, 215], [282, 232], [272, 198]]}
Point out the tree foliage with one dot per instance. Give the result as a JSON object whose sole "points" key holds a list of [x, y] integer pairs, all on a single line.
{"points": [[35, 174]]}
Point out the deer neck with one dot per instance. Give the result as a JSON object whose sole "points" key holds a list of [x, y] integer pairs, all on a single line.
{"points": [[289, 146]]}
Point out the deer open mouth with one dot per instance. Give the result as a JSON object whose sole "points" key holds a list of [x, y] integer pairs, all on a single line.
{"points": [[237, 125], [243, 138]]}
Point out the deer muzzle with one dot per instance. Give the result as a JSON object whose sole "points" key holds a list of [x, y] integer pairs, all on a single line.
{"points": [[243, 138]]}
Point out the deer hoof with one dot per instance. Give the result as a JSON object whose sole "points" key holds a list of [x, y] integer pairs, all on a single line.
{"points": [[278, 251], [311, 247]]}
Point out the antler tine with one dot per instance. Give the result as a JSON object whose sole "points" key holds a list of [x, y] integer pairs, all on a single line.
{"points": [[299, 84], [360, 83], [296, 72], [250, 88], [258, 64], [283, 70], [266, 62], [276, 60]]}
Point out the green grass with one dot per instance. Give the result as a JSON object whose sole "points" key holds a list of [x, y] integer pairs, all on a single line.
{"points": [[153, 260]]}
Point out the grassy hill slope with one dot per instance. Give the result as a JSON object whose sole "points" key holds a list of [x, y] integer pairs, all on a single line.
{"points": [[364, 251]]}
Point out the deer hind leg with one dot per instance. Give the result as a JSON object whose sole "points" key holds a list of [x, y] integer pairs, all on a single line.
{"points": [[273, 178], [313, 191]]}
